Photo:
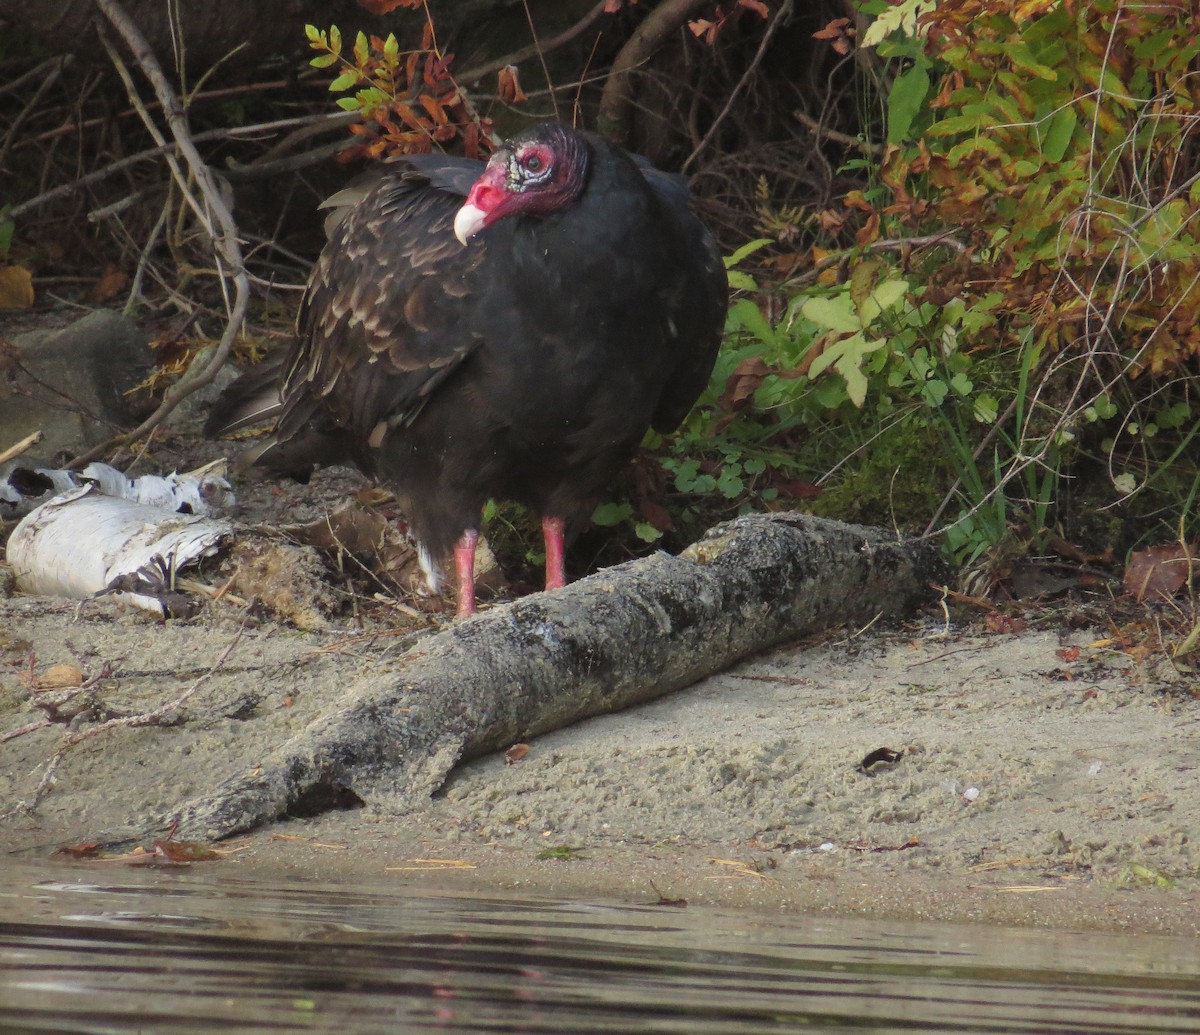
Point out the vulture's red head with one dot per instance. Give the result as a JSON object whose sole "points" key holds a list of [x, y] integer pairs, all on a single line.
{"points": [[536, 172]]}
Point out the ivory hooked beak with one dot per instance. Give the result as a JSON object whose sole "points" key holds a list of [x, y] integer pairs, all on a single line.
{"points": [[468, 222]]}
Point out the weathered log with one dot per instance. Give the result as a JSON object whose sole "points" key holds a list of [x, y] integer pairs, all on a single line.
{"points": [[620, 637]]}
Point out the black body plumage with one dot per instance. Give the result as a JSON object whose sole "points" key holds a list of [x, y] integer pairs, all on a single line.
{"points": [[525, 365]]}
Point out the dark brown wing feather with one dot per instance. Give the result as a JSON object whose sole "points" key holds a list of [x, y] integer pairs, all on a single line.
{"points": [[379, 326]]}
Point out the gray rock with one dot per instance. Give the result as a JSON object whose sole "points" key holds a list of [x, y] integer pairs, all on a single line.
{"points": [[70, 383]]}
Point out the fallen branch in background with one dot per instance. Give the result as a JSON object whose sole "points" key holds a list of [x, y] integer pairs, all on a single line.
{"points": [[313, 124], [17, 448]]}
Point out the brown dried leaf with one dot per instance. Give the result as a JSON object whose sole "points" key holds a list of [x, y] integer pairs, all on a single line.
{"points": [[655, 514], [83, 850], [111, 284], [16, 287], [839, 32], [795, 488], [515, 753], [60, 677], [999, 622], [1158, 571], [509, 86], [184, 851], [437, 69], [435, 109], [746, 379]]}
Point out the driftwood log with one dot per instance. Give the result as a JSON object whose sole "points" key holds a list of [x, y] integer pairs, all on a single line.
{"points": [[618, 638]]}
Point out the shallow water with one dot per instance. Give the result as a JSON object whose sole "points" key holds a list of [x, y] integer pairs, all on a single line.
{"points": [[91, 949]]}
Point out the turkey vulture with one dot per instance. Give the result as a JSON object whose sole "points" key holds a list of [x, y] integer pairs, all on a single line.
{"points": [[515, 345]]}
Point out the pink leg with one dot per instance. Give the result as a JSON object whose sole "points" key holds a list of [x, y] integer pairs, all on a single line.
{"points": [[552, 531], [464, 569]]}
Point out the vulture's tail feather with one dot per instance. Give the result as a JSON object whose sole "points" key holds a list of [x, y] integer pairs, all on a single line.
{"points": [[252, 399]]}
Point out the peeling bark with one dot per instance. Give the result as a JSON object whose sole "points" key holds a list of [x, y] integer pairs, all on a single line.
{"points": [[618, 638]]}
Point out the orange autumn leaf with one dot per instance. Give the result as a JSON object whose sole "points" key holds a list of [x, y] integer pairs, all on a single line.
{"points": [[111, 284], [16, 287], [59, 677], [387, 6], [184, 851], [509, 86]]}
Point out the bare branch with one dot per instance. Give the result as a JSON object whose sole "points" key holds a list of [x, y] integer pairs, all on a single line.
{"points": [[319, 123], [473, 75], [211, 210], [17, 448], [616, 102], [784, 12]]}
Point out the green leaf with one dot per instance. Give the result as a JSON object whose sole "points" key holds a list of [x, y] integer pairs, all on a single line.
{"points": [[883, 297], [745, 251], [1021, 56], [730, 484], [907, 99], [1163, 225], [846, 357], [746, 315], [830, 392], [348, 103], [344, 81], [371, 98], [608, 514], [324, 61], [561, 853], [1174, 416], [961, 124], [986, 407], [934, 392], [850, 367], [975, 145], [901, 17], [835, 314], [646, 532], [6, 231], [1105, 407], [335, 39], [1111, 84], [1007, 108], [313, 33], [362, 52], [740, 281], [1059, 132]]}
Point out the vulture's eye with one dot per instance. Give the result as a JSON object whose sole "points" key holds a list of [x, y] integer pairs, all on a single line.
{"points": [[533, 163]]}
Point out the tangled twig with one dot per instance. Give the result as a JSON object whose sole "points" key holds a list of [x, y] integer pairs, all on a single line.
{"points": [[161, 716], [210, 209]]}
